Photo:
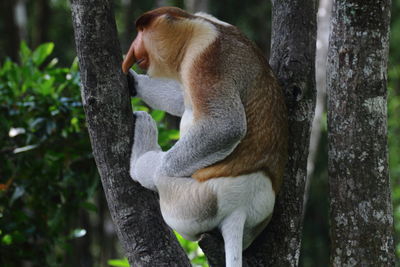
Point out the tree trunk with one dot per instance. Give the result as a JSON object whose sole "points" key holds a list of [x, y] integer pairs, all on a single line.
{"points": [[12, 40], [135, 211], [21, 19], [324, 16], [361, 210], [42, 22], [193, 6], [160, 3], [129, 23], [293, 61]]}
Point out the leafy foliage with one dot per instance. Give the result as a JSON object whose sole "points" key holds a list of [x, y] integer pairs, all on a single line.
{"points": [[192, 249], [47, 171]]}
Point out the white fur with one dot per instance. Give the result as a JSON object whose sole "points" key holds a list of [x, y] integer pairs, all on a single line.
{"points": [[212, 18], [186, 121], [205, 34], [251, 195], [160, 93], [238, 205]]}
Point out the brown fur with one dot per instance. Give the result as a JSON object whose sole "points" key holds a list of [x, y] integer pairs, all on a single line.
{"points": [[230, 60], [264, 148], [147, 18]]}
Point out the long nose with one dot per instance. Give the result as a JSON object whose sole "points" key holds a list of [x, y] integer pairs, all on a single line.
{"points": [[130, 59]]}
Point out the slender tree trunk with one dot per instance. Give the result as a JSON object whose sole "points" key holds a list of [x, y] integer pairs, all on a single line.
{"points": [[361, 210], [42, 22], [11, 38], [193, 6], [294, 30], [160, 3], [324, 16], [21, 19], [129, 23], [293, 60], [135, 210]]}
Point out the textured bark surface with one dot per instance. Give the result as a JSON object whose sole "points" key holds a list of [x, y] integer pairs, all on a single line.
{"points": [[293, 60], [135, 210], [361, 210]]}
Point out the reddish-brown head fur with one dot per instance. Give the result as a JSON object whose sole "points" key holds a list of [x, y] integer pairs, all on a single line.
{"points": [[147, 18], [137, 52]]}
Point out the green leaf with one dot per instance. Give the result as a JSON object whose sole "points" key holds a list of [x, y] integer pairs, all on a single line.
{"points": [[42, 52], [89, 206], [46, 86], [7, 240], [158, 115], [7, 66], [75, 65], [118, 262], [173, 134], [25, 52]]}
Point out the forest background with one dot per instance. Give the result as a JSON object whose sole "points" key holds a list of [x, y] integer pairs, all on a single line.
{"points": [[52, 208]]}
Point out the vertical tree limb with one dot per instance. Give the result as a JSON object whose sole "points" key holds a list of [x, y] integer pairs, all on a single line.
{"points": [[361, 209], [293, 61], [294, 32], [11, 30], [135, 210]]}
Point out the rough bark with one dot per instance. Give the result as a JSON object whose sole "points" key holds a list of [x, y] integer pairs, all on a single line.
{"points": [[293, 61], [361, 210], [135, 210]]}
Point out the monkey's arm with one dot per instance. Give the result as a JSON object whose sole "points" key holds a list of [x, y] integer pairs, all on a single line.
{"points": [[163, 94], [210, 139]]}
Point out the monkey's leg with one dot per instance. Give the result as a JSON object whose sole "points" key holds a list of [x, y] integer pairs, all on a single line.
{"points": [[232, 232], [163, 94], [146, 153]]}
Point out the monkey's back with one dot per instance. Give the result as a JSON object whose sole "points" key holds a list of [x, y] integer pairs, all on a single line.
{"points": [[264, 147]]}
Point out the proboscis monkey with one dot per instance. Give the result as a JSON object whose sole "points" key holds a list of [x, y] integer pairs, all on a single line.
{"points": [[226, 169]]}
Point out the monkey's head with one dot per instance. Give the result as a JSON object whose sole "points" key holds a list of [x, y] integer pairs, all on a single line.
{"points": [[161, 34]]}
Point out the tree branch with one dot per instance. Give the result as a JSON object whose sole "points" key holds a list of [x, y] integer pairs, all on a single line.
{"points": [[293, 61], [294, 32], [135, 211]]}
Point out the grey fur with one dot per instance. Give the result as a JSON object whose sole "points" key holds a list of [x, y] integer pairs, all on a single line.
{"points": [[208, 140], [163, 94]]}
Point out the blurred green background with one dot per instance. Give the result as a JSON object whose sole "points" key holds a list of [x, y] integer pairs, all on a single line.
{"points": [[52, 208]]}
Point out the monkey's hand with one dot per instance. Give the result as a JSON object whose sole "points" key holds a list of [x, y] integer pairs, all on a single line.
{"points": [[163, 94], [210, 139], [131, 85]]}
